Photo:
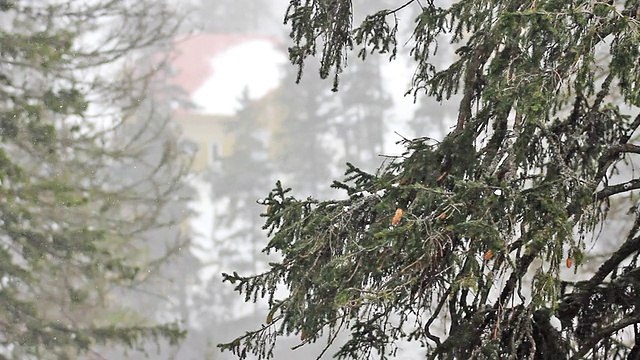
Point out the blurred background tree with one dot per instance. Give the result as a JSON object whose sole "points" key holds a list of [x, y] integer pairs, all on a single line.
{"points": [[91, 174]]}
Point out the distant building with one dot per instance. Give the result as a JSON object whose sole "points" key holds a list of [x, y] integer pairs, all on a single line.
{"points": [[214, 70]]}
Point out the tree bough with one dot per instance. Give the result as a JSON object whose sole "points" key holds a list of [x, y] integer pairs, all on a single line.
{"points": [[489, 215]]}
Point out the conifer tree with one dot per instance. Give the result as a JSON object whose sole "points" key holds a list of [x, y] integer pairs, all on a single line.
{"points": [[244, 170], [472, 233], [73, 228], [359, 114], [301, 148], [233, 16]]}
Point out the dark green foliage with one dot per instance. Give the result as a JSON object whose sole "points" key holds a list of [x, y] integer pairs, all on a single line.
{"points": [[459, 244], [329, 21]]}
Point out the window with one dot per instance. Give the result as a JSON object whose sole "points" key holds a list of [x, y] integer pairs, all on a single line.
{"points": [[214, 153]]}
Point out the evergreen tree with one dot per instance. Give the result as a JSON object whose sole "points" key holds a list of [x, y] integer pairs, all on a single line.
{"points": [[432, 117], [471, 233], [302, 147], [360, 112], [237, 186], [359, 116], [150, 176], [239, 172], [234, 16], [72, 227]]}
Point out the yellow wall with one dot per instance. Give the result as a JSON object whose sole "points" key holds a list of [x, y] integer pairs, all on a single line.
{"points": [[206, 130]]}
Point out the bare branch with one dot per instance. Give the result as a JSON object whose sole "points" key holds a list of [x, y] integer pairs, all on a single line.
{"points": [[617, 189], [606, 332]]}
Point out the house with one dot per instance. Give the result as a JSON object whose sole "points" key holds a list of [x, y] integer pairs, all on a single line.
{"points": [[213, 71]]}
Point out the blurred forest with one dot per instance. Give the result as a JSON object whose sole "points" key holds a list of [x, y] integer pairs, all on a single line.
{"points": [[94, 188]]}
